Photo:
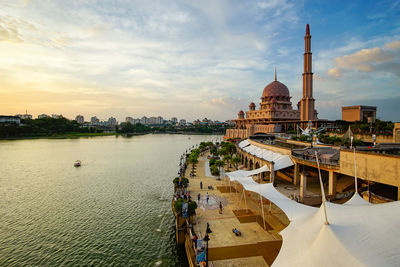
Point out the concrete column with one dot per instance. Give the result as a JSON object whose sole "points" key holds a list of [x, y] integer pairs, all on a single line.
{"points": [[398, 193], [271, 172], [303, 186], [332, 184], [296, 175]]}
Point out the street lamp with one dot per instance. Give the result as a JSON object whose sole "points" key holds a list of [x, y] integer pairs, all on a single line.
{"points": [[207, 238]]}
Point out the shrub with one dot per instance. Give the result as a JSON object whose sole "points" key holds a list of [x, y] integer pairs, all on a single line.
{"points": [[214, 170], [191, 207], [212, 161], [184, 181]]}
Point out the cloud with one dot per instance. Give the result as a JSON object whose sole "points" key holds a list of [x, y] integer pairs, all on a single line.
{"points": [[335, 72], [177, 58], [383, 59], [393, 45]]}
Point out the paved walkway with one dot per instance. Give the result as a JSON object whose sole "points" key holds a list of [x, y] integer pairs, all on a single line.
{"points": [[207, 169], [225, 247]]}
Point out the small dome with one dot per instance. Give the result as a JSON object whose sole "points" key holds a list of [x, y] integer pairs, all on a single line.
{"points": [[252, 104], [241, 112], [275, 89]]}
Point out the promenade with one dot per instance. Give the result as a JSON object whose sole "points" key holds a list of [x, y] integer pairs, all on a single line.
{"points": [[259, 242]]}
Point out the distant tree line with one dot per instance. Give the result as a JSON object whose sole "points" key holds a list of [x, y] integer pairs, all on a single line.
{"points": [[360, 127], [51, 127], [43, 127], [127, 127]]}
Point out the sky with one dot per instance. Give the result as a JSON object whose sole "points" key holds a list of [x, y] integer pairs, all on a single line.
{"points": [[194, 59]]}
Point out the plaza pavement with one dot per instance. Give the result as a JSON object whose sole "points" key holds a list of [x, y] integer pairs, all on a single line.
{"points": [[256, 246]]}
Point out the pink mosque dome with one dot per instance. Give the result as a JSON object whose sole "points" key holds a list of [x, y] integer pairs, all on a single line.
{"points": [[275, 89]]}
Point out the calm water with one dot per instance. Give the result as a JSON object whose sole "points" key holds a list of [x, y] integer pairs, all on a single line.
{"points": [[114, 210]]}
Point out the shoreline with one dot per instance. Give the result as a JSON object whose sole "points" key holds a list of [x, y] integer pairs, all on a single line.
{"points": [[87, 135]]}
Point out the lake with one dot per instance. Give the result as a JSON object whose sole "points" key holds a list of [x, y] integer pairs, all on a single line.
{"points": [[113, 210]]}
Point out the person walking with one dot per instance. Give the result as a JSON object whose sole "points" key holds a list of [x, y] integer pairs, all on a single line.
{"points": [[220, 207], [207, 197], [201, 185], [198, 198]]}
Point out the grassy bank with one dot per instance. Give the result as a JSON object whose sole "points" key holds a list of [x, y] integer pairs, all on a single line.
{"points": [[60, 136]]}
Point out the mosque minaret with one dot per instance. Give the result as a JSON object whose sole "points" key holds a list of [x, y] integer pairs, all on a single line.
{"points": [[275, 113], [307, 111]]}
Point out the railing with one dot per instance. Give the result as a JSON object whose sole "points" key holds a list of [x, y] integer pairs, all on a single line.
{"points": [[309, 155]]}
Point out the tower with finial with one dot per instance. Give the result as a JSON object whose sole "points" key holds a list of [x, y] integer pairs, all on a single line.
{"points": [[307, 110]]}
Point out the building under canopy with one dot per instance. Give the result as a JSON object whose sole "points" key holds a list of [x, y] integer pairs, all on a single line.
{"points": [[358, 233]]}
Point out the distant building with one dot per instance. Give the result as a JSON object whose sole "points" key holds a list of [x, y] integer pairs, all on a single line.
{"points": [[230, 123], [182, 122], [359, 113], [152, 120], [80, 119], [129, 119], [112, 121], [10, 119], [174, 120], [56, 116], [396, 135], [94, 120], [24, 116], [43, 116], [143, 120]]}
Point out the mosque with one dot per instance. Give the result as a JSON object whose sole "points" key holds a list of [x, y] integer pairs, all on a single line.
{"points": [[276, 113]]}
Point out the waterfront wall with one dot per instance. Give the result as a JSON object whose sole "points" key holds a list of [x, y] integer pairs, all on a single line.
{"points": [[379, 168]]}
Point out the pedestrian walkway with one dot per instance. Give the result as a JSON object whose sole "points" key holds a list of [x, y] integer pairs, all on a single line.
{"points": [[225, 248]]}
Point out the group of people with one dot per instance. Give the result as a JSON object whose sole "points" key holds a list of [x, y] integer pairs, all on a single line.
{"points": [[181, 195]]}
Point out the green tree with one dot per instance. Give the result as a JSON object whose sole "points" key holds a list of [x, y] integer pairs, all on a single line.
{"points": [[227, 159], [235, 161], [214, 151], [219, 164], [193, 159], [229, 148], [214, 170]]}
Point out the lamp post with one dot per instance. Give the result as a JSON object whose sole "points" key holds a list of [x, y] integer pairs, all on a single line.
{"points": [[207, 238]]}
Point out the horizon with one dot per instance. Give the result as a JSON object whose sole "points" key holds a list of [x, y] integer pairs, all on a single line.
{"points": [[194, 60]]}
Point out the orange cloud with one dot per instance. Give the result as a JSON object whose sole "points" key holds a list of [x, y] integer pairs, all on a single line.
{"points": [[368, 60]]}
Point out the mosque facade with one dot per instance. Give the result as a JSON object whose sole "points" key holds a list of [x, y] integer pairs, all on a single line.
{"points": [[275, 113]]}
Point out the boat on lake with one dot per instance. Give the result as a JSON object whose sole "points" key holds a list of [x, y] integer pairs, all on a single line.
{"points": [[77, 163]]}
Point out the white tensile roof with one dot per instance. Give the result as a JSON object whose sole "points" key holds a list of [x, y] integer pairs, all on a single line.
{"points": [[358, 234], [243, 173], [280, 161]]}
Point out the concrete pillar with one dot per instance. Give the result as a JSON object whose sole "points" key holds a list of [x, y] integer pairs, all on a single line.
{"points": [[398, 193], [303, 186], [271, 172], [296, 175], [332, 184]]}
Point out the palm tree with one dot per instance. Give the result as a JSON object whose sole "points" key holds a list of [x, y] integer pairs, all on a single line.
{"points": [[219, 164], [193, 160]]}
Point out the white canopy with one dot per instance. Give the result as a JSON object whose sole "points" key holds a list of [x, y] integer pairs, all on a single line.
{"points": [[280, 161], [244, 143], [291, 208], [358, 234], [243, 173]]}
